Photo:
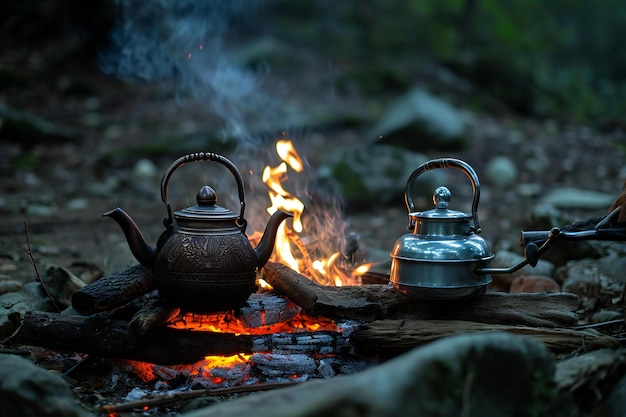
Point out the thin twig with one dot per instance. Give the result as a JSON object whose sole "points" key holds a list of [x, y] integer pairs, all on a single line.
{"points": [[32, 260], [604, 323], [185, 395]]}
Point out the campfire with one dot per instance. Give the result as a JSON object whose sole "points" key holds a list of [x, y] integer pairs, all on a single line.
{"points": [[311, 317], [271, 338]]}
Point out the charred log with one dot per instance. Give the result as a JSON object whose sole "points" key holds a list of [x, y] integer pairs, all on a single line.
{"points": [[113, 290], [163, 345]]}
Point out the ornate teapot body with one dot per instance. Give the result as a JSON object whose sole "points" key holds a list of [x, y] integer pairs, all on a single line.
{"points": [[203, 261]]}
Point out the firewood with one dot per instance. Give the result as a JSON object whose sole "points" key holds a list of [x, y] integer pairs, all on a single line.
{"points": [[112, 339], [374, 302], [152, 315], [162, 345], [113, 290], [393, 337]]}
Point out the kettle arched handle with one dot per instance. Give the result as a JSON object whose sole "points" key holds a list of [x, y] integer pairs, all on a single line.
{"points": [[445, 163], [202, 156]]}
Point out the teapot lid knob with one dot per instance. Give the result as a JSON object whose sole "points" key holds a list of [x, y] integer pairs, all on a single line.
{"points": [[206, 196], [441, 197]]}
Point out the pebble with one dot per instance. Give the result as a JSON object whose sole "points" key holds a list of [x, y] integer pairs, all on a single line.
{"points": [[534, 284], [568, 198], [501, 171], [144, 169]]}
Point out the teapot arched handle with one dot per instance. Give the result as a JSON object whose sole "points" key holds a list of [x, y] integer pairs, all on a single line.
{"points": [[445, 163], [202, 156]]}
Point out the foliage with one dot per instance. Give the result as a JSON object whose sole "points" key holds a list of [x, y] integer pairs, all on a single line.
{"points": [[552, 58], [557, 58]]}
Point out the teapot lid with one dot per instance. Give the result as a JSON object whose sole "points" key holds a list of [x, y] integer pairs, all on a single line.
{"points": [[441, 199], [206, 208]]}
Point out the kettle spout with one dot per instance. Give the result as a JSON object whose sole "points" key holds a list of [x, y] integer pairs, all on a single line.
{"points": [[264, 249], [143, 252]]}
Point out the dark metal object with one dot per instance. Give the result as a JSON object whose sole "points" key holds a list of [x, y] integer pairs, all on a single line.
{"points": [[203, 260]]}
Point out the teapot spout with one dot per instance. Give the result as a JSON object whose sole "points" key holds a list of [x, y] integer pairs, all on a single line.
{"points": [[264, 249], [143, 252]]}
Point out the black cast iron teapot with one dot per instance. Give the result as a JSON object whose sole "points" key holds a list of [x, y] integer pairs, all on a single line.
{"points": [[203, 261]]}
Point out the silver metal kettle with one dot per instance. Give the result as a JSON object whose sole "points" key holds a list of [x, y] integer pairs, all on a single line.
{"points": [[439, 258]]}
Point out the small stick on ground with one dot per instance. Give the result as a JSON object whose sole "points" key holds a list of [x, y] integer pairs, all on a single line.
{"points": [[180, 396], [32, 260]]}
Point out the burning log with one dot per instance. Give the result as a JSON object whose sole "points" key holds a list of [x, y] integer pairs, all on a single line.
{"points": [[163, 345], [113, 290], [393, 337], [113, 339], [375, 302], [152, 315]]}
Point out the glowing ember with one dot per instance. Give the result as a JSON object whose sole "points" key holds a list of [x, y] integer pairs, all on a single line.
{"points": [[227, 322]]}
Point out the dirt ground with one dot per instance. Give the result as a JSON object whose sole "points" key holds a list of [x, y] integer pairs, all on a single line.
{"points": [[58, 189]]}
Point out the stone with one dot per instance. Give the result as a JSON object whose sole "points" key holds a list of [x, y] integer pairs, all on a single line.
{"points": [[420, 120], [145, 169], [576, 198], [501, 171], [483, 374], [27, 390], [374, 174], [506, 259], [534, 283], [615, 404], [593, 280], [13, 305]]}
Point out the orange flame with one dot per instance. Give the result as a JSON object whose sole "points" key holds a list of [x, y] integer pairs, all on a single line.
{"points": [[326, 271]]}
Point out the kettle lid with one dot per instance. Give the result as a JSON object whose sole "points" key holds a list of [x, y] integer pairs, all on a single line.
{"points": [[206, 208], [441, 199]]}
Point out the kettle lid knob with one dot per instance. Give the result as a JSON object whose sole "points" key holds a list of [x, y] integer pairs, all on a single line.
{"points": [[206, 196], [441, 197]]}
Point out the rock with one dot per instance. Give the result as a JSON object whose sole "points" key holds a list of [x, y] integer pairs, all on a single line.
{"points": [[534, 283], [144, 169], [506, 259], [576, 198], [61, 284], [614, 403], [14, 304], [501, 171], [593, 280], [606, 315], [27, 390], [9, 285], [489, 374], [375, 174], [76, 204], [585, 377], [419, 120]]}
